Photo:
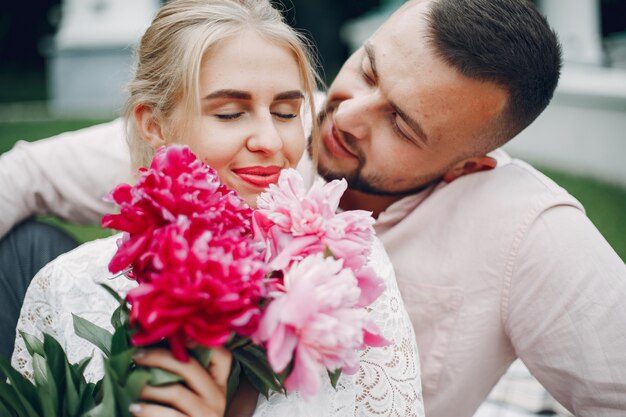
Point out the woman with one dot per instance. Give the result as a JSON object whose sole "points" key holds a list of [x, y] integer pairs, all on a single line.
{"points": [[231, 80]]}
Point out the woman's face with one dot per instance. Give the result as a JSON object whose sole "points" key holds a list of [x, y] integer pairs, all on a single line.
{"points": [[250, 125]]}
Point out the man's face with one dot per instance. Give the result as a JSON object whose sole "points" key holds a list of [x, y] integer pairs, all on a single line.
{"points": [[397, 117]]}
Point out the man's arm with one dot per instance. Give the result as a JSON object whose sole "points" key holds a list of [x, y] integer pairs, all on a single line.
{"points": [[67, 175], [566, 314]]}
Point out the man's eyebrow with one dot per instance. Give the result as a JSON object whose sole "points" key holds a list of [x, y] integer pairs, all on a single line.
{"points": [[412, 123], [228, 93], [289, 95]]}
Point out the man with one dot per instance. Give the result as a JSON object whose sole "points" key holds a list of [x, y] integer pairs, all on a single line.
{"points": [[493, 259]]}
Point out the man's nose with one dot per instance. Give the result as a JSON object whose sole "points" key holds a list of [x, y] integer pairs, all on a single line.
{"points": [[354, 115], [266, 137]]}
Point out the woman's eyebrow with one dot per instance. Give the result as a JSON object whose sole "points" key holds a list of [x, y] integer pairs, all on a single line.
{"points": [[244, 95], [229, 93], [289, 95]]}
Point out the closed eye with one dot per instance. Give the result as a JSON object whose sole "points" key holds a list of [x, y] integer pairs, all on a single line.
{"points": [[398, 130], [369, 79], [285, 116], [228, 116]]}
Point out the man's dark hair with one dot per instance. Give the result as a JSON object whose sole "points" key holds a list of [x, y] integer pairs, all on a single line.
{"points": [[507, 42]]}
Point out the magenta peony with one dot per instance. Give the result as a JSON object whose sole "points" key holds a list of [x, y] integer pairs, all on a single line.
{"points": [[187, 240]]}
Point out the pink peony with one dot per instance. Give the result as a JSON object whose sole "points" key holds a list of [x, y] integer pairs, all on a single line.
{"points": [[316, 323], [294, 223]]}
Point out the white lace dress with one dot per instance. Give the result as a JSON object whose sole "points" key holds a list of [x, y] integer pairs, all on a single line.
{"points": [[387, 383]]}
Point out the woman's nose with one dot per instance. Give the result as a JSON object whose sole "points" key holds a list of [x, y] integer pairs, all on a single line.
{"points": [[266, 137]]}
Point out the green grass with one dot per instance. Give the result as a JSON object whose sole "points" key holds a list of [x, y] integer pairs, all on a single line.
{"points": [[11, 132], [605, 203]]}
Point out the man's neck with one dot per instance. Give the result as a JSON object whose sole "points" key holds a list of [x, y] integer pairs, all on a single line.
{"points": [[356, 200]]}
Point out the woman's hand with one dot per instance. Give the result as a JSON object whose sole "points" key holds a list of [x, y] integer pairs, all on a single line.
{"points": [[204, 395]]}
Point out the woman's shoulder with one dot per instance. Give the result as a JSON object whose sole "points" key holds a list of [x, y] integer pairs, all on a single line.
{"points": [[87, 260]]}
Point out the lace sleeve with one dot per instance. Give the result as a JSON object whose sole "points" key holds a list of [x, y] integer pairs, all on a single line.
{"points": [[388, 381], [67, 285]]}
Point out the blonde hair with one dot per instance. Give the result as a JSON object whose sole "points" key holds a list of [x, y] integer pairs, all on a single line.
{"points": [[170, 54]]}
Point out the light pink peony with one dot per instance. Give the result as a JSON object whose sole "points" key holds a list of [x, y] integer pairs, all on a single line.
{"points": [[294, 223], [316, 323]]}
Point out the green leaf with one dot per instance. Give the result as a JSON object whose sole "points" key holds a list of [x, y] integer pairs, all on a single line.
{"points": [[79, 367], [120, 342], [257, 382], [202, 355], [47, 404], [123, 400], [72, 392], [121, 364], [4, 411], [135, 383], [39, 371], [159, 377], [24, 389], [56, 360], [34, 345], [98, 391], [119, 317], [93, 333], [46, 386], [334, 377], [238, 342], [106, 408], [87, 399], [257, 369], [233, 381], [10, 400]]}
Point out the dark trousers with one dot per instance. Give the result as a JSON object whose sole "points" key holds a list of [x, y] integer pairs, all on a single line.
{"points": [[23, 252]]}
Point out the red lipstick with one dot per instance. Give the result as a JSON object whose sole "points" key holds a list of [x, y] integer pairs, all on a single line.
{"points": [[259, 176]]}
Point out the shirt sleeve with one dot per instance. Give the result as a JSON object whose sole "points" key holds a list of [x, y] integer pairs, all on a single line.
{"points": [[66, 175], [565, 312]]}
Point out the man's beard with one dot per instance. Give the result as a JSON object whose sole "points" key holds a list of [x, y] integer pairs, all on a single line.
{"points": [[364, 184]]}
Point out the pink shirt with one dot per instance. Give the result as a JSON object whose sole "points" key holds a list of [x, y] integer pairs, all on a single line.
{"points": [[495, 265], [504, 263]]}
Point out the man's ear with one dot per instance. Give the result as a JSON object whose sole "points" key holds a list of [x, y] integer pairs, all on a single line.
{"points": [[149, 126], [469, 166]]}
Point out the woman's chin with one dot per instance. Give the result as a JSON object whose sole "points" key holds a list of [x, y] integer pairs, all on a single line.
{"points": [[250, 199]]}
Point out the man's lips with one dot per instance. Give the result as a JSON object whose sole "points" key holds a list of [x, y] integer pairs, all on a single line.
{"points": [[332, 141], [259, 176]]}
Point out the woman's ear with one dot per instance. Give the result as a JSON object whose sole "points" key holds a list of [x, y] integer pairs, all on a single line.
{"points": [[150, 128], [469, 166]]}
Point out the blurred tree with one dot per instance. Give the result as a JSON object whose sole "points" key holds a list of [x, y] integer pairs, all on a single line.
{"points": [[322, 20], [22, 27], [613, 16]]}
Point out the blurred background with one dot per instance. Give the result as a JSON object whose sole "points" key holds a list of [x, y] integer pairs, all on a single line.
{"points": [[63, 65]]}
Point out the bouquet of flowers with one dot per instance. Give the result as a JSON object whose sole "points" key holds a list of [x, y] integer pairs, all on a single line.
{"points": [[285, 287]]}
